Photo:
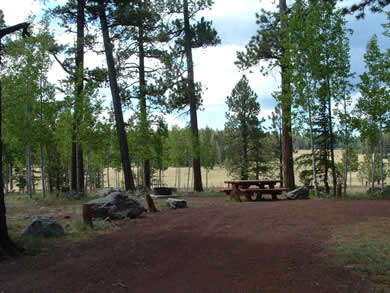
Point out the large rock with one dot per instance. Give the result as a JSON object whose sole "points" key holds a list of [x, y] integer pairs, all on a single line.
{"points": [[42, 226], [299, 193], [116, 205], [175, 203]]}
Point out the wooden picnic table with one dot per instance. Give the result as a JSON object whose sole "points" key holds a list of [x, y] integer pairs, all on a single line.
{"points": [[250, 187]]}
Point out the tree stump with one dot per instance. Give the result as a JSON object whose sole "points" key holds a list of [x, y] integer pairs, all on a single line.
{"points": [[87, 215]]}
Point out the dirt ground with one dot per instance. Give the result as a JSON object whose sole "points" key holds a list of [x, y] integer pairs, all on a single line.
{"points": [[212, 246]]}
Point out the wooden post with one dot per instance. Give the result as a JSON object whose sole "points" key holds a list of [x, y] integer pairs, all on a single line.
{"points": [[151, 206], [338, 193], [87, 215]]}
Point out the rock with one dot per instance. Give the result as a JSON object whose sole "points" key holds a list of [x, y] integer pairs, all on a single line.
{"points": [[299, 193], [174, 203], [106, 191], [116, 205], [42, 226]]}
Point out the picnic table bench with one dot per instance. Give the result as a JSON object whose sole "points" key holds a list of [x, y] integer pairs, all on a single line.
{"points": [[245, 188]]}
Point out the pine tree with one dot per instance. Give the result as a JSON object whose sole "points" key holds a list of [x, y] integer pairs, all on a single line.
{"points": [[243, 130], [270, 44], [7, 246], [373, 107]]}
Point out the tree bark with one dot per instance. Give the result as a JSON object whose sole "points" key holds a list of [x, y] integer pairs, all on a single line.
{"points": [[28, 145], [7, 246], [142, 101], [346, 146], [288, 163], [41, 147], [333, 166], [313, 156], [381, 158], [372, 167], [280, 158], [192, 99], [244, 169], [120, 127], [77, 152]]}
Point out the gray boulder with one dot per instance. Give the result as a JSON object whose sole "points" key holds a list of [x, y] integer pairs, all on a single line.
{"points": [[106, 191], [42, 226], [299, 193], [116, 205], [175, 203]]}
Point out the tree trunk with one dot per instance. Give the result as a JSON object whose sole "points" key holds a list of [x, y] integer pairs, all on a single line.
{"points": [[122, 137], [11, 181], [28, 145], [372, 167], [77, 153], [43, 171], [244, 169], [350, 181], [188, 178], [142, 102], [6, 179], [280, 158], [333, 166], [192, 100], [313, 156], [108, 176], [207, 178], [326, 167], [288, 163], [7, 247], [41, 147], [87, 172], [381, 158], [346, 146], [345, 169]]}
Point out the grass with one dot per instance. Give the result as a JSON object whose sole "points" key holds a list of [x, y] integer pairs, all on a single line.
{"points": [[20, 209], [364, 249]]}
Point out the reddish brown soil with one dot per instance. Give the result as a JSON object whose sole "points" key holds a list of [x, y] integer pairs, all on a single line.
{"points": [[240, 247]]}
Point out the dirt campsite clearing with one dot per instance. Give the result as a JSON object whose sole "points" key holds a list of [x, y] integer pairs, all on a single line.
{"points": [[215, 245]]}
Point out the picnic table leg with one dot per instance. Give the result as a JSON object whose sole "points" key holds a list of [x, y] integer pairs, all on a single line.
{"points": [[259, 196], [274, 197], [248, 196]]}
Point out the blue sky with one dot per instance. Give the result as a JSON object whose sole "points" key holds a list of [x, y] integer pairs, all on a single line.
{"points": [[214, 66]]}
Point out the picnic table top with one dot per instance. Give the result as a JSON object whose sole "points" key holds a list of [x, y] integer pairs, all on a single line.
{"points": [[252, 181]]}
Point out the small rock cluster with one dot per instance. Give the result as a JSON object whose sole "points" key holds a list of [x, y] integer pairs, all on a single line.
{"points": [[174, 203]]}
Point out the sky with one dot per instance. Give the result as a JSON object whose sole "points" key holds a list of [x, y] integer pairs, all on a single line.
{"points": [[214, 66]]}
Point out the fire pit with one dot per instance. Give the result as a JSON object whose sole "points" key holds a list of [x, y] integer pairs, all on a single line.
{"points": [[162, 190]]}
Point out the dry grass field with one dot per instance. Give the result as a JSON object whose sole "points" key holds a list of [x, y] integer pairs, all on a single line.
{"points": [[217, 176], [182, 178]]}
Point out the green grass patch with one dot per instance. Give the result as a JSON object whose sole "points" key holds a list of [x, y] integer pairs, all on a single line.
{"points": [[364, 248], [20, 209]]}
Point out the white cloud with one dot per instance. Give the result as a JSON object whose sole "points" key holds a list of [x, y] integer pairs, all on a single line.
{"points": [[215, 68], [17, 11], [223, 8]]}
